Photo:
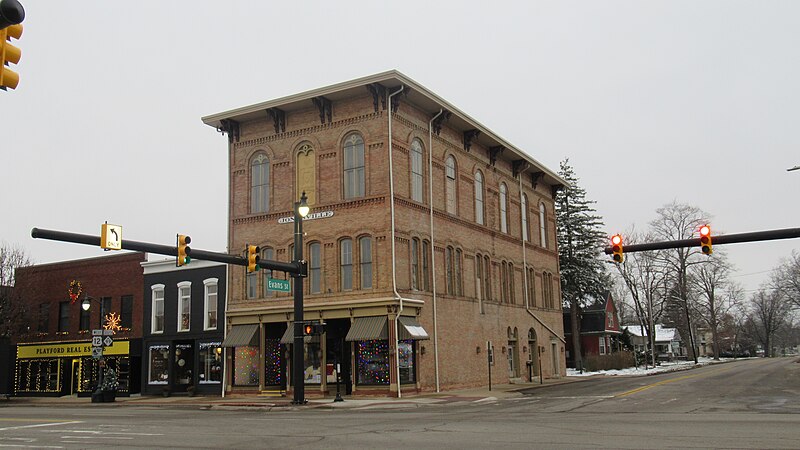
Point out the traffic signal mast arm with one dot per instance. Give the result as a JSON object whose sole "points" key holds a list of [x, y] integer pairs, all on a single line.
{"points": [[300, 268], [769, 235]]}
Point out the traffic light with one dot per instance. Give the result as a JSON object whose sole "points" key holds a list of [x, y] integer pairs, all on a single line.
{"points": [[308, 329], [252, 258], [183, 250], [11, 14], [705, 240], [616, 247]]}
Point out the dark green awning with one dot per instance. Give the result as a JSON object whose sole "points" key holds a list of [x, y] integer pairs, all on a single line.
{"points": [[368, 329], [242, 336]]}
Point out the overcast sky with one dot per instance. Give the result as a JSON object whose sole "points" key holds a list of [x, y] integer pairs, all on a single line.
{"points": [[692, 101]]}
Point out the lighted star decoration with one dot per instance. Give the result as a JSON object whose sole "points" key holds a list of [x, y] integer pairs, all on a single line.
{"points": [[113, 321]]}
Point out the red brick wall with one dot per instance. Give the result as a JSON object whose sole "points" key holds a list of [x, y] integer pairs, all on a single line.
{"points": [[108, 276]]}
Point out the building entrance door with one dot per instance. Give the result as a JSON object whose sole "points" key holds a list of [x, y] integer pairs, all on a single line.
{"points": [[338, 354]]}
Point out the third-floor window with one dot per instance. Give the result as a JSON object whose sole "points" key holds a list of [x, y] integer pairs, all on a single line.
{"points": [[353, 166], [259, 184]]}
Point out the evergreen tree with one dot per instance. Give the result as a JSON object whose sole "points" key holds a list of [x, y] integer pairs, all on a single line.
{"points": [[580, 245]]}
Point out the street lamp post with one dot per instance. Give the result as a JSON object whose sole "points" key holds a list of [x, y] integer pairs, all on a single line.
{"points": [[300, 211], [86, 304]]}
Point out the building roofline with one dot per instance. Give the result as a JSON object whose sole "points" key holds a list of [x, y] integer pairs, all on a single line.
{"points": [[390, 79]]}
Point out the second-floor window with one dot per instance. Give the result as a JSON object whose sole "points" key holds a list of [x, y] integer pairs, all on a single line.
{"points": [[210, 304], [346, 255], [184, 306], [84, 325], [126, 311], [44, 317], [415, 264], [63, 316], [259, 184], [542, 225], [157, 323], [524, 211], [267, 253], [315, 267], [365, 243]]}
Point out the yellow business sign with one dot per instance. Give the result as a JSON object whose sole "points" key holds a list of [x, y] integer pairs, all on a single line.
{"points": [[70, 349]]}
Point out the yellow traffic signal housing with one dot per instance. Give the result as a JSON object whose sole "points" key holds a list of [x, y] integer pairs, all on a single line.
{"points": [[183, 250], [705, 240], [252, 258], [616, 247], [9, 54]]}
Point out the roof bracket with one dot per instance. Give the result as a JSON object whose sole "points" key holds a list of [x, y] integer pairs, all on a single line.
{"points": [[441, 118], [520, 166], [378, 94], [469, 135], [278, 116], [325, 108], [396, 98], [535, 177], [494, 152], [231, 128], [554, 189]]}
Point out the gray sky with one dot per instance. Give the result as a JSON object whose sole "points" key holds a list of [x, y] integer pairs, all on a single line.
{"points": [[694, 101]]}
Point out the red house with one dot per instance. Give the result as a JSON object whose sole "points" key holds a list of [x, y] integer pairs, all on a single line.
{"points": [[600, 329]]}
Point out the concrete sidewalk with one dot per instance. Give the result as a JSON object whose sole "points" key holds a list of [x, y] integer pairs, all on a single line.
{"points": [[239, 401]]}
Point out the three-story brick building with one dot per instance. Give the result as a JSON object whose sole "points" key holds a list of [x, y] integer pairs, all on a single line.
{"points": [[430, 241]]}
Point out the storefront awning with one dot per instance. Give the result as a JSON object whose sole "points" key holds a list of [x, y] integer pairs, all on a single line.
{"points": [[410, 329], [242, 336], [288, 337], [368, 329]]}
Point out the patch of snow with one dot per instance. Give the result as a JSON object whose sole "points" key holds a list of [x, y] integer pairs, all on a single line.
{"points": [[637, 371]]}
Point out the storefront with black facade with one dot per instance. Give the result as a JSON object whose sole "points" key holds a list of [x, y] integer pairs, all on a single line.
{"points": [[184, 310]]}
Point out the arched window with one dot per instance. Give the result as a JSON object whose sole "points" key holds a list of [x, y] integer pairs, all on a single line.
{"points": [[346, 263], [450, 184], [267, 253], [307, 173], [315, 268], [542, 225], [449, 270], [416, 170], [511, 298], [353, 166], [479, 197], [523, 208], [426, 265], [365, 244], [259, 184], [457, 265], [503, 208]]}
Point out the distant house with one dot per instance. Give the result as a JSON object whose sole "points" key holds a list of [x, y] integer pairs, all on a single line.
{"points": [[668, 341], [600, 329]]}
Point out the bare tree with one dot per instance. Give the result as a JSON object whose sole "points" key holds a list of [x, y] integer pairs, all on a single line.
{"points": [[677, 221], [13, 311], [716, 294], [769, 311], [788, 278], [643, 276]]}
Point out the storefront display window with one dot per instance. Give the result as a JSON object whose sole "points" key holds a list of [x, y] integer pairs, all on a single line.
{"points": [[272, 362], [38, 375], [313, 363], [210, 363], [406, 353], [245, 366], [373, 362], [159, 364]]}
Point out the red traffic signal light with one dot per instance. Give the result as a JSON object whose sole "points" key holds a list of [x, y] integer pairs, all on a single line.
{"points": [[616, 248], [705, 240]]}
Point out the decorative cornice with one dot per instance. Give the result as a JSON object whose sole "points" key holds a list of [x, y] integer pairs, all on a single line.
{"points": [[439, 120], [308, 130], [331, 207], [378, 92], [535, 177], [494, 152], [278, 117], [519, 166], [231, 128], [328, 155]]}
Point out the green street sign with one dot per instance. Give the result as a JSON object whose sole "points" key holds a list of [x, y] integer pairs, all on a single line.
{"points": [[278, 285]]}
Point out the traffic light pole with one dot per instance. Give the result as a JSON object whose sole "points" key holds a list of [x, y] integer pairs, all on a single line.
{"points": [[298, 347], [769, 235]]}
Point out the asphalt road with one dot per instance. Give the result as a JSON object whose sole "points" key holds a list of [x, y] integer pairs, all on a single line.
{"points": [[743, 404]]}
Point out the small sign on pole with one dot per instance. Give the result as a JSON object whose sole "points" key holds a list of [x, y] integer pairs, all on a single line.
{"points": [[97, 352], [278, 285]]}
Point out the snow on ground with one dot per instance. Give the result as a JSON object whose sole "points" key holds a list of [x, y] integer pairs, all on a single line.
{"points": [[641, 370]]}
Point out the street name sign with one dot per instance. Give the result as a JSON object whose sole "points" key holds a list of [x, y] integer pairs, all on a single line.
{"points": [[278, 285]]}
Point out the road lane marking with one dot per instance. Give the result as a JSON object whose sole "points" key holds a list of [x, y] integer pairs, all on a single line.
{"points": [[40, 425], [671, 380]]}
